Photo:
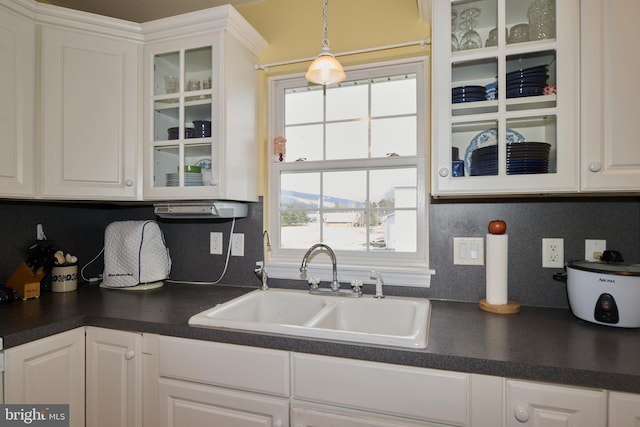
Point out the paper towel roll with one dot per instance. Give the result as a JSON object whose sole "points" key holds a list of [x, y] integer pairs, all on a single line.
{"points": [[497, 268]]}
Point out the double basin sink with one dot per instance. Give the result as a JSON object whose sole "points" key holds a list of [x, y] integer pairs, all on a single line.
{"points": [[394, 321]]}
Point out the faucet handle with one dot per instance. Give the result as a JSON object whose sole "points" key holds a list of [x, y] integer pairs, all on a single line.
{"points": [[313, 282], [356, 285]]}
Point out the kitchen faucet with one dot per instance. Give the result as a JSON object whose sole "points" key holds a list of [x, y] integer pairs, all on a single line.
{"points": [[261, 271], [335, 285]]}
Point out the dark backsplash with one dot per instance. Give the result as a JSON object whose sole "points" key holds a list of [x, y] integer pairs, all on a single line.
{"points": [[78, 228]]}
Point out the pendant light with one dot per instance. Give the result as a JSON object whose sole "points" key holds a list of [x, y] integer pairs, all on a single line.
{"points": [[325, 69]]}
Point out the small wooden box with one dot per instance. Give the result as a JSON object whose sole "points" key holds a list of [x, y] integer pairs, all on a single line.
{"points": [[26, 282]]}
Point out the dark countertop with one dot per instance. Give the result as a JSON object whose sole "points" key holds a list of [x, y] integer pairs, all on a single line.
{"points": [[541, 344]]}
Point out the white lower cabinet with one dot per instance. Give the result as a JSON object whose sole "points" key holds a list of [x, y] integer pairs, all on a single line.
{"points": [[48, 371], [416, 393], [189, 404], [113, 378], [192, 383], [546, 405], [624, 409]]}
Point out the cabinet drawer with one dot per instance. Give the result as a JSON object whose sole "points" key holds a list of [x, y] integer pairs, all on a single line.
{"points": [[248, 368], [391, 389]]}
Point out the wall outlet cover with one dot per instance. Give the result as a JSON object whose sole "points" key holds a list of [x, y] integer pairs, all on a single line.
{"points": [[552, 253]]}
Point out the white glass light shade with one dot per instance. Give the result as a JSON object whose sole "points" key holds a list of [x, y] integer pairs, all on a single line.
{"points": [[325, 69]]}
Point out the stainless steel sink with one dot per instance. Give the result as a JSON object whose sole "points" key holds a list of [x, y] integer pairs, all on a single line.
{"points": [[395, 321]]}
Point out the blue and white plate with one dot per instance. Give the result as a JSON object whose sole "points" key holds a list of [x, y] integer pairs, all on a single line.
{"points": [[486, 138]]}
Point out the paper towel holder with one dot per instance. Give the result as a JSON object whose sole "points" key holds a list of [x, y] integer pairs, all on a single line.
{"points": [[511, 307], [496, 273]]}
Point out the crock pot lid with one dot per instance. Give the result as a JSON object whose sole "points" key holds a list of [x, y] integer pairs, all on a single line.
{"points": [[622, 268]]}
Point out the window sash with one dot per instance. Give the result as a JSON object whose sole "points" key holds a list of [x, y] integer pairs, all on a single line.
{"points": [[399, 261]]}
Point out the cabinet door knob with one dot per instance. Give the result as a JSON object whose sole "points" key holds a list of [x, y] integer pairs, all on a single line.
{"points": [[443, 172], [595, 166], [128, 183], [521, 414], [129, 354]]}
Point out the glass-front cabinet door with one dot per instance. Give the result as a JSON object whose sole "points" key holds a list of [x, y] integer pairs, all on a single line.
{"points": [[201, 107], [182, 119], [505, 97]]}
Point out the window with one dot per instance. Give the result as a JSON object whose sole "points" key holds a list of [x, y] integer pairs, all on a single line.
{"points": [[354, 174]]}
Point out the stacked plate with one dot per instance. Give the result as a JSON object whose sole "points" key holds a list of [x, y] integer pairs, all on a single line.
{"points": [[468, 94], [190, 179], [484, 161], [527, 158], [487, 138], [527, 81]]}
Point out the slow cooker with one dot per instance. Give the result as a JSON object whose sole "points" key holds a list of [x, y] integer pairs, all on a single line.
{"points": [[606, 292]]}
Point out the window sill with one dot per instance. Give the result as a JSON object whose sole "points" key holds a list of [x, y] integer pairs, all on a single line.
{"points": [[414, 277]]}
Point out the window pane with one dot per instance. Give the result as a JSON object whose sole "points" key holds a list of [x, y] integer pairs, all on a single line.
{"points": [[394, 188], [400, 231], [396, 135], [303, 106], [299, 229], [349, 140], [342, 231], [393, 95], [344, 189], [304, 142], [299, 190], [347, 102]]}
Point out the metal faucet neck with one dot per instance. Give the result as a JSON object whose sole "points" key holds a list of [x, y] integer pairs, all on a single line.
{"points": [[335, 285]]}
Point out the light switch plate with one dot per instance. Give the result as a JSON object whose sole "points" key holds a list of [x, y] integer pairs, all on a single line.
{"points": [[593, 249], [468, 251], [237, 244], [215, 243]]}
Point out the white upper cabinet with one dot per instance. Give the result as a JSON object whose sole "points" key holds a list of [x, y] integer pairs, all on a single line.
{"points": [[90, 107], [17, 103], [201, 107], [610, 151], [505, 97]]}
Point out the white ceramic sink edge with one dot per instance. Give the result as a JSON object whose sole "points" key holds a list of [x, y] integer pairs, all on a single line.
{"points": [[394, 321]]}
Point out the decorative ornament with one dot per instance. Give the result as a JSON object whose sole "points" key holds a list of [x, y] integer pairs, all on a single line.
{"points": [[279, 149]]}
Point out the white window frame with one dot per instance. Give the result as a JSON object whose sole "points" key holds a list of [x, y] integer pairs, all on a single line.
{"points": [[398, 269]]}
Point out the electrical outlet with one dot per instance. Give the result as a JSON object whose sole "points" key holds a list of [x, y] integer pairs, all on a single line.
{"points": [[237, 244], [593, 249], [468, 251], [552, 253], [215, 243]]}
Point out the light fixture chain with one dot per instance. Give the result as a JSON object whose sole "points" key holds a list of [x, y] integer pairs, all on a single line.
{"points": [[325, 40]]}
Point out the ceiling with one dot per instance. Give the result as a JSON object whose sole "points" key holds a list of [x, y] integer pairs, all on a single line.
{"points": [[142, 10]]}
